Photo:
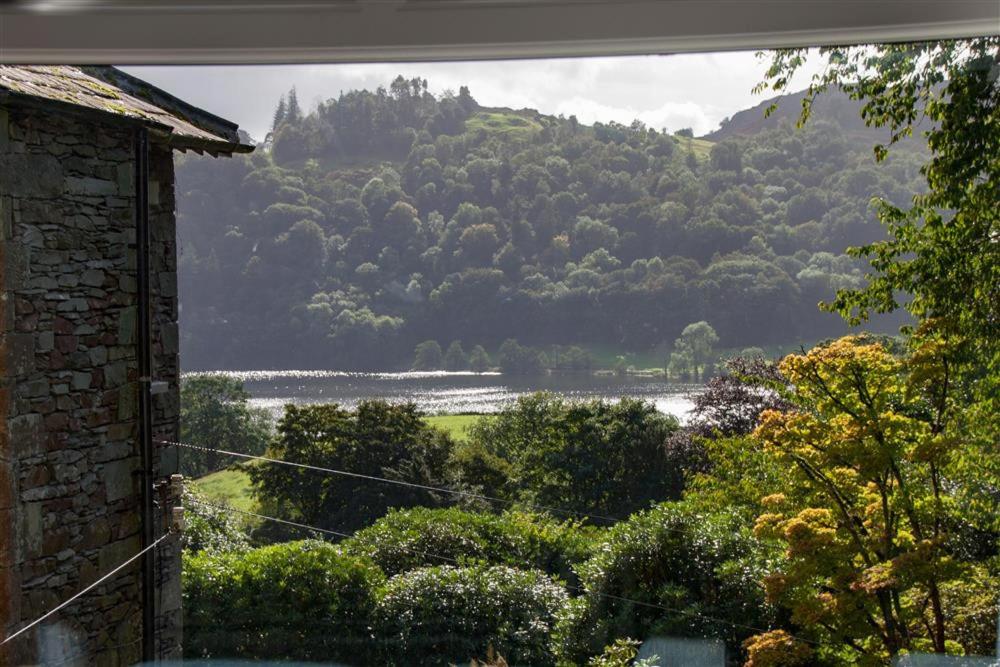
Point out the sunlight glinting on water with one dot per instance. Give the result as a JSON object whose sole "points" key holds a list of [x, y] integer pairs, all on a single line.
{"points": [[264, 376], [442, 392]]}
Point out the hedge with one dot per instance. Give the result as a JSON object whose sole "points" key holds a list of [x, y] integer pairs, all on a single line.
{"points": [[299, 600], [407, 539]]}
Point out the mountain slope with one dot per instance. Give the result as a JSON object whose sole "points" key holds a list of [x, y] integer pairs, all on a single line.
{"points": [[831, 106], [388, 217]]}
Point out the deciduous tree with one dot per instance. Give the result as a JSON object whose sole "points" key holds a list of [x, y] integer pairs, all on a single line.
{"points": [[697, 345], [868, 511]]}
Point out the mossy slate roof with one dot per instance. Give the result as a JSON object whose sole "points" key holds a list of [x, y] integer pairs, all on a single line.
{"points": [[116, 96]]}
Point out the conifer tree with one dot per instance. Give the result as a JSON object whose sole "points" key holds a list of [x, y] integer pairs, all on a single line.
{"points": [[279, 115], [293, 114]]}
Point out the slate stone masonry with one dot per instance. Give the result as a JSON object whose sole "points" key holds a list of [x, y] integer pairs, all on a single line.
{"points": [[69, 495]]}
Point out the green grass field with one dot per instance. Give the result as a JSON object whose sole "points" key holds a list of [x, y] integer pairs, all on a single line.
{"points": [[655, 359], [700, 147], [507, 123], [605, 357], [455, 425], [232, 486]]}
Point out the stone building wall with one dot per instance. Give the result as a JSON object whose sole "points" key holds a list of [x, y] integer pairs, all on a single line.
{"points": [[69, 492]]}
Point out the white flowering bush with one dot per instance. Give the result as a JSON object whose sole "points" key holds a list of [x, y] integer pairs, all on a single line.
{"points": [[668, 571], [452, 615]]}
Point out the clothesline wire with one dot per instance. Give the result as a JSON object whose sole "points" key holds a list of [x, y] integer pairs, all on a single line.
{"points": [[86, 590], [512, 503], [386, 480], [317, 529]]}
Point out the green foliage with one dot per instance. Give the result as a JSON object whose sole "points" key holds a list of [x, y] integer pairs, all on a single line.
{"points": [[971, 606], [695, 348], [376, 439], [478, 469], [427, 356], [398, 216], [381, 220], [454, 358], [621, 653], [517, 359], [448, 615], [407, 539], [297, 601], [693, 575], [571, 358], [738, 475], [869, 506], [941, 260], [233, 487], [593, 457], [215, 413], [479, 360], [211, 527], [887, 457]]}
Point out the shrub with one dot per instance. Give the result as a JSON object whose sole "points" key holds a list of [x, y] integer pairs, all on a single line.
{"points": [[622, 653], [211, 528], [298, 600], [476, 468], [702, 567], [445, 615], [427, 356], [409, 539]]}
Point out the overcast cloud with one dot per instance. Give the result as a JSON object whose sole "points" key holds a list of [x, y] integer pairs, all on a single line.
{"points": [[672, 92]]}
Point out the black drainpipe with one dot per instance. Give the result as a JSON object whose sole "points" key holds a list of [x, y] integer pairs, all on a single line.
{"points": [[144, 351]]}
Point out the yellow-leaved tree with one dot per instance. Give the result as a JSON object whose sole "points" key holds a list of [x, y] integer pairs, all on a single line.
{"points": [[869, 516]]}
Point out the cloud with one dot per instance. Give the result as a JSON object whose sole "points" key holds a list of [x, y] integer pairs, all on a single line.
{"points": [[670, 115], [687, 90]]}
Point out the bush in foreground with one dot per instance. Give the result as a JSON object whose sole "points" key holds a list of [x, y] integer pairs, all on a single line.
{"points": [[408, 539], [450, 615], [299, 601], [212, 528], [704, 569]]}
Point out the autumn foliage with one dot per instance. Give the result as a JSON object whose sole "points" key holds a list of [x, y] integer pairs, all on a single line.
{"points": [[867, 518]]}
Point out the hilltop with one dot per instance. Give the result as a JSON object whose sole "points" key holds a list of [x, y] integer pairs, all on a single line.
{"points": [[833, 106]]}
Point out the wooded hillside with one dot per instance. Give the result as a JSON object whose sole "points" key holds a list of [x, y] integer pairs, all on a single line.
{"points": [[385, 218]]}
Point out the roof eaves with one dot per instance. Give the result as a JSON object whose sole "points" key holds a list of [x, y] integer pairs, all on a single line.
{"points": [[105, 94], [174, 105], [161, 133], [13, 96]]}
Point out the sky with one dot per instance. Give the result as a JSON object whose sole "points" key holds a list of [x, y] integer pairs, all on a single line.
{"points": [[672, 92]]}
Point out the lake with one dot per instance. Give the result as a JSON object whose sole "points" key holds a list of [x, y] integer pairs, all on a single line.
{"points": [[441, 392]]}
